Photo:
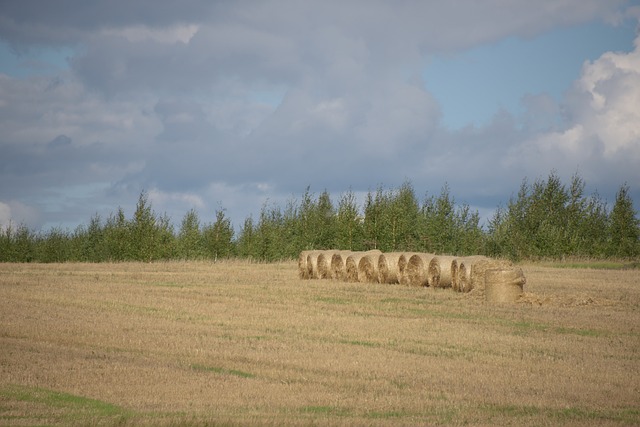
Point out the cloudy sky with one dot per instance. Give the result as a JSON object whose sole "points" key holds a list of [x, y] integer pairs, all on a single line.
{"points": [[234, 104]]}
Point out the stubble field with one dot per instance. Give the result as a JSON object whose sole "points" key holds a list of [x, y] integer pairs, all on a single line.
{"points": [[239, 343]]}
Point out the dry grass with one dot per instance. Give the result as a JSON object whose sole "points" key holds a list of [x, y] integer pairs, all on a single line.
{"points": [[236, 343]]}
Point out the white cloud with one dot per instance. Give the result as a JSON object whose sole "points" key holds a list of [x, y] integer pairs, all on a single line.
{"points": [[14, 213], [602, 108]]}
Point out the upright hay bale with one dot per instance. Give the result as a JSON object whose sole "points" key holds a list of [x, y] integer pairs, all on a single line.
{"points": [[312, 264], [338, 264], [417, 269], [479, 267], [503, 285], [388, 269], [439, 271], [368, 267], [302, 264], [324, 264], [403, 260], [464, 272]]}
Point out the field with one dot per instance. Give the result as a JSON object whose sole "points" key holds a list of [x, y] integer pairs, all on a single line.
{"points": [[239, 343]]}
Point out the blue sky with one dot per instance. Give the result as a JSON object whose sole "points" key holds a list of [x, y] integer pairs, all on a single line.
{"points": [[209, 105], [472, 85]]}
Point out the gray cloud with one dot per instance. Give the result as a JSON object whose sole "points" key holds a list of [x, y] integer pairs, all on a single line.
{"points": [[209, 103]]}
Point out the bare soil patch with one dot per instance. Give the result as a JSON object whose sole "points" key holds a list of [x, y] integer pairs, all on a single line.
{"points": [[237, 343]]}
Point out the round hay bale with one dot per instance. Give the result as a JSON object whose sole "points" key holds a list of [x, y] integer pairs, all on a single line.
{"points": [[368, 267], [388, 269], [478, 269], [338, 262], [324, 264], [351, 265], [464, 272], [504, 285], [417, 269], [302, 264], [403, 260], [455, 278], [312, 264], [439, 271]]}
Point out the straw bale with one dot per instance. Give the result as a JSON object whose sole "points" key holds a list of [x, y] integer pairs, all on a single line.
{"points": [[464, 272], [338, 263], [324, 264], [403, 260], [302, 264], [478, 269], [351, 265], [312, 264], [455, 278], [439, 271], [503, 284], [418, 268], [368, 267], [388, 269]]}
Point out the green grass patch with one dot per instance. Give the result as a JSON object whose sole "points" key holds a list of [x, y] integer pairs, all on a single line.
{"points": [[222, 371], [360, 343], [629, 416], [524, 326], [326, 410], [50, 406]]}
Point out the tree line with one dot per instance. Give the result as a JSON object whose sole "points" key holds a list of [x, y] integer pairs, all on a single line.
{"points": [[546, 219]]}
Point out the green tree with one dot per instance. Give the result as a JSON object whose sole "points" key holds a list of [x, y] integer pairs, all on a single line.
{"points": [[324, 219], [54, 246], [403, 219], [17, 244], [374, 220], [594, 228], [624, 226], [117, 239], [269, 238], [439, 216], [246, 242], [218, 237], [349, 233], [190, 240], [92, 240], [470, 238]]}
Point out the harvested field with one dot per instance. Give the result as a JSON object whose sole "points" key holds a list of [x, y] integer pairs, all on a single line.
{"points": [[237, 343]]}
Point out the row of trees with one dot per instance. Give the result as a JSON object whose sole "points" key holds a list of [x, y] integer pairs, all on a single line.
{"points": [[547, 219]]}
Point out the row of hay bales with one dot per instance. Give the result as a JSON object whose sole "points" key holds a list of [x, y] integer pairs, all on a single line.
{"points": [[462, 274]]}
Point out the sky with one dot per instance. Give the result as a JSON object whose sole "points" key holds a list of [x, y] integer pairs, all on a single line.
{"points": [[236, 105]]}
